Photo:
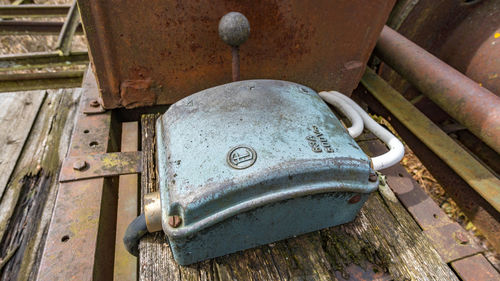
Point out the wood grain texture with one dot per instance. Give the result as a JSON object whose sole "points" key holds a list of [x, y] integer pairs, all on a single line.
{"points": [[17, 114], [383, 242], [26, 205]]}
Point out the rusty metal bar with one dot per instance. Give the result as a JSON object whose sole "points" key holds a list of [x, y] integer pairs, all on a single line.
{"points": [[81, 237], [475, 268], [100, 165], [235, 64], [40, 81], [464, 164], [33, 28], [41, 60], [33, 11], [125, 267], [68, 30], [473, 106]]}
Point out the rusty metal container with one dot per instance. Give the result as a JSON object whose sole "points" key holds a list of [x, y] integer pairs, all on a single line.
{"points": [[157, 52]]}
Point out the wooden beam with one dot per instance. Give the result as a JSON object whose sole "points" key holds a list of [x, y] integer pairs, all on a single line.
{"points": [[383, 242]]}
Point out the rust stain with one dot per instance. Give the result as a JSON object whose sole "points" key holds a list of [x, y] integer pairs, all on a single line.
{"points": [[178, 47], [135, 93]]}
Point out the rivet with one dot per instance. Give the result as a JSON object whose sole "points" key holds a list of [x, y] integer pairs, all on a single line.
{"points": [[79, 165], [174, 221], [355, 199], [94, 103], [373, 177], [461, 237]]}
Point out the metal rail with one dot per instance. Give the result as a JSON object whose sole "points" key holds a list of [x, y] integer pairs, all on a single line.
{"points": [[465, 165], [40, 81], [41, 60], [470, 104], [33, 11], [33, 28], [68, 30]]}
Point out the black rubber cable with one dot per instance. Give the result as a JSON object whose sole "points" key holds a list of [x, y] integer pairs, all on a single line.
{"points": [[135, 230]]}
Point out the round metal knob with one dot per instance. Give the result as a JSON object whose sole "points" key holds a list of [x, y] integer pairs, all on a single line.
{"points": [[234, 28]]}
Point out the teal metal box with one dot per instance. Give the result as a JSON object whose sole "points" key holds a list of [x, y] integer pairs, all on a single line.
{"points": [[252, 162]]}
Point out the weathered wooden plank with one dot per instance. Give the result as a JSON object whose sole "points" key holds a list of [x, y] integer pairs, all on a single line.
{"points": [[31, 191], [383, 242], [17, 114]]}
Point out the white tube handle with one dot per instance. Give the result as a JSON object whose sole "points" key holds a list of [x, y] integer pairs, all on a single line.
{"points": [[356, 127], [396, 148]]}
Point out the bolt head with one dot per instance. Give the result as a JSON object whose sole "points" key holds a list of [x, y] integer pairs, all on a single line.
{"points": [[355, 199], [94, 103], [373, 177], [234, 28], [461, 237], [174, 221], [79, 165]]}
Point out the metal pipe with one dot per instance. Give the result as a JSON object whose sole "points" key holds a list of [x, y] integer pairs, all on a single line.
{"points": [[465, 165], [473, 106]]}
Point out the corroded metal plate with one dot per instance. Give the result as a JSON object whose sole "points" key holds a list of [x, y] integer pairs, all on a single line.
{"points": [[157, 52]]}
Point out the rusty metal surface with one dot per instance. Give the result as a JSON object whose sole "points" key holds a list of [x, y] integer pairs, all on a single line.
{"points": [[475, 268], [477, 209], [316, 43], [80, 239], [452, 242], [448, 237], [465, 165], [125, 265], [101, 165], [93, 107], [473, 106], [462, 35], [473, 46]]}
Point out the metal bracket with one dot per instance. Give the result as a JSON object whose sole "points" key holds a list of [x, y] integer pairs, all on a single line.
{"points": [[93, 107], [100, 165]]}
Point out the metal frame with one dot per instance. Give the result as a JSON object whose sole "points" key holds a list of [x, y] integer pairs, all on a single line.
{"points": [[61, 57], [82, 232]]}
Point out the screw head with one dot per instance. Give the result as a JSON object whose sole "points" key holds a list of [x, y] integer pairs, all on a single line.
{"points": [[174, 221], [355, 199], [373, 177], [234, 28], [94, 103], [79, 165], [461, 238]]}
